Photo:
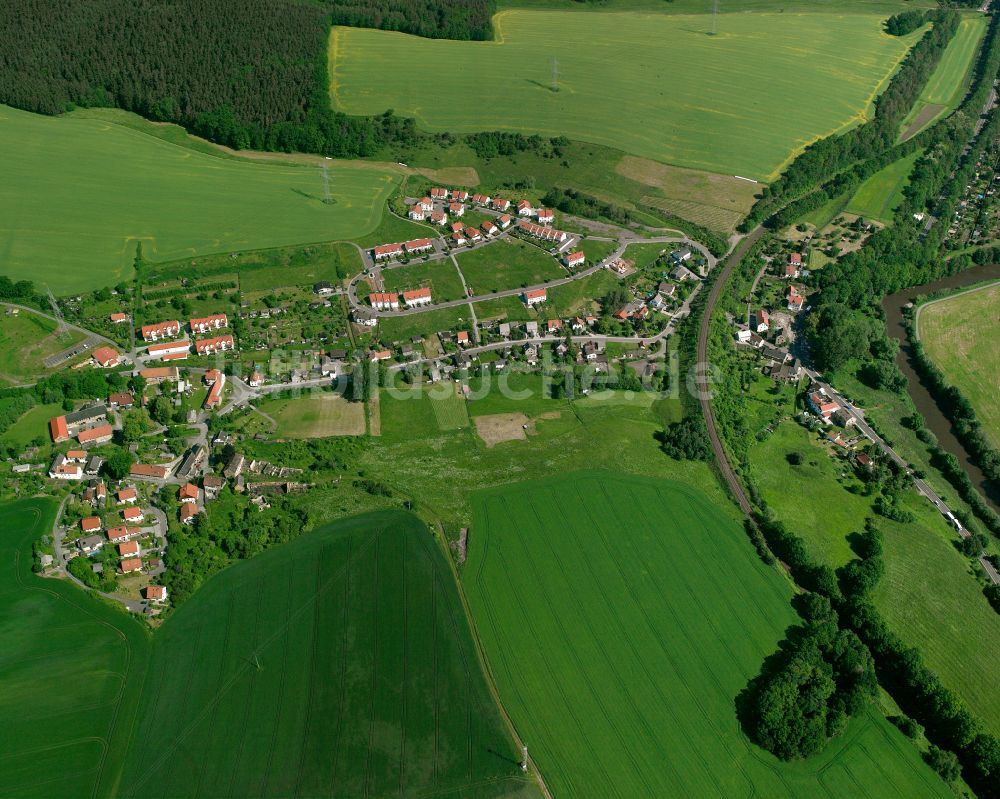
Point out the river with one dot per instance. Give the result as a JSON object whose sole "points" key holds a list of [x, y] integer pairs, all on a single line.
{"points": [[934, 419]]}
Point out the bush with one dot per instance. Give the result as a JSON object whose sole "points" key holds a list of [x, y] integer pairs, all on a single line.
{"points": [[687, 440]]}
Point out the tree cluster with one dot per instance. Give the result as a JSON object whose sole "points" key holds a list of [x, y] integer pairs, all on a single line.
{"points": [[807, 691], [687, 439], [434, 19]]}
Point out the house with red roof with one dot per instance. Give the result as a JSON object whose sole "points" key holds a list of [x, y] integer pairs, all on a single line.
{"points": [[575, 259], [458, 239], [130, 565], [822, 405], [760, 322], [481, 199], [504, 221], [214, 396], [91, 524], [385, 251], [500, 204], [161, 330], [146, 471], [127, 496], [209, 346], [457, 227], [129, 549], [121, 399], [133, 514], [379, 355], [489, 228], [188, 493], [418, 245], [473, 234], [456, 209], [96, 435], [156, 593], [158, 374], [426, 204], [416, 213], [534, 297], [106, 357], [438, 218], [206, 323], [795, 300], [417, 297], [118, 318], [58, 429], [524, 208], [120, 534], [439, 193], [459, 195], [462, 337], [170, 351], [546, 216], [383, 301], [187, 512]]}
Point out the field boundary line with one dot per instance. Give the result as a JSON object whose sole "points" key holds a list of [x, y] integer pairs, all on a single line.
{"points": [[919, 308]]}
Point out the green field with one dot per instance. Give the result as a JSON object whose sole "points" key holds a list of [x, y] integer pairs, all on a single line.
{"points": [[71, 668], [78, 193], [655, 85], [26, 340], [947, 85], [961, 335], [316, 414], [508, 264], [402, 328], [621, 617], [880, 195], [441, 276], [954, 626], [32, 424], [339, 665]]}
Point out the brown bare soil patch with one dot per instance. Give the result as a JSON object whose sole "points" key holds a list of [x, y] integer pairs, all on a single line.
{"points": [[498, 427], [927, 113]]}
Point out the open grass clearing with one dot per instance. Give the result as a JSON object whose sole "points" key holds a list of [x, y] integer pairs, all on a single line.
{"points": [[742, 102], [79, 194], [961, 335], [340, 664], [70, 675], [928, 595], [439, 276], [317, 414], [881, 194], [403, 327], [579, 297], [621, 617], [26, 340], [509, 263], [950, 80], [31, 425]]}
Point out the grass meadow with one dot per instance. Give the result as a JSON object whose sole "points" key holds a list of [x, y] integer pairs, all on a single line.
{"points": [[32, 424], [316, 415], [340, 665], [26, 340], [948, 83], [927, 594], [880, 195], [741, 102], [79, 193], [70, 673], [621, 617], [961, 334], [440, 276], [507, 264]]}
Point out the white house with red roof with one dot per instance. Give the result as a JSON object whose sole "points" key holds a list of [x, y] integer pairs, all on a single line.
{"points": [[206, 323], [473, 234], [417, 213], [418, 245], [462, 338], [575, 259], [795, 300], [524, 208], [161, 330], [384, 251], [169, 351], [96, 435], [439, 193], [500, 204], [119, 318], [426, 204], [456, 209], [546, 216], [760, 322], [458, 239], [188, 493], [534, 297], [481, 199], [504, 221], [120, 534], [417, 297], [489, 228], [210, 346], [156, 593], [459, 196], [822, 405], [133, 514], [127, 496], [383, 301], [438, 218]]}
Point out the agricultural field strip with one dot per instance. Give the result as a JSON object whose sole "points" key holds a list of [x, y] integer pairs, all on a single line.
{"points": [[274, 634], [570, 509], [714, 112]]}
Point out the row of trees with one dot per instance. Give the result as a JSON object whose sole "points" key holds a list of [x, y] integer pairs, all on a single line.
{"points": [[435, 19]]}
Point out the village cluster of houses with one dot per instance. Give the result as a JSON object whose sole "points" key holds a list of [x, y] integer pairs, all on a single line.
{"points": [[160, 347]]}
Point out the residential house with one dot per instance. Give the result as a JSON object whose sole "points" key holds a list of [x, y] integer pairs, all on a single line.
{"points": [[473, 234], [524, 208], [91, 544], [328, 367], [323, 288], [188, 493], [121, 533], [481, 199], [383, 301], [575, 259], [456, 209], [553, 326], [534, 297], [217, 386], [63, 470], [158, 374], [145, 471], [417, 297], [439, 193], [418, 245], [681, 255], [209, 346], [426, 204], [462, 338], [133, 515], [385, 251], [170, 351], [161, 330], [416, 213], [489, 228], [682, 273], [156, 593], [499, 204], [544, 233], [106, 357], [546, 216], [96, 435], [795, 300], [360, 316], [822, 405], [130, 565], [459, 195], [504, 221], [207, 323], [438, 218], [119, 318], [91, 524], [458, 240], [212, 486], [760, 321], [257, 379], [129, 549], [127, 496], [187, 512], [379, 355], [121, 399]]}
